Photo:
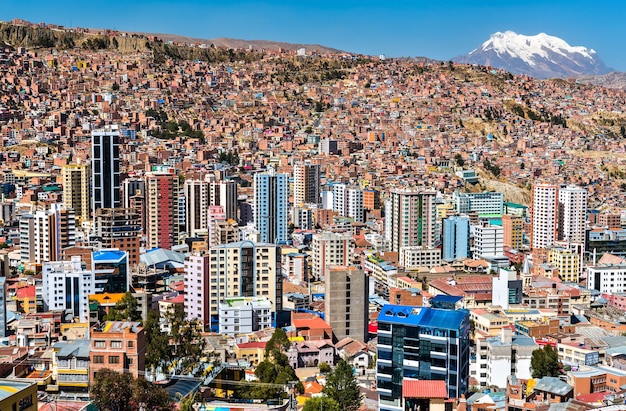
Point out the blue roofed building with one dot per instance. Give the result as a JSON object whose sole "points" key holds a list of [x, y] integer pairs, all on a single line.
{"points": [[111, 270], [421, 343]]}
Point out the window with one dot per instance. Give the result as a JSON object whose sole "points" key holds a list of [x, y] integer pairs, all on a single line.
{"points": [[98, 359], [99, 344], [114, 359], [131, 344], [116, 344]]}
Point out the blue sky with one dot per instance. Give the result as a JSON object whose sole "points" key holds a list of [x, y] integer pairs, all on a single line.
{"points": [[439, 29]]}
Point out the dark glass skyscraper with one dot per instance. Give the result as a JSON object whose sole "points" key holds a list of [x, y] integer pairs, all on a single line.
{"points": [[105, 168]]}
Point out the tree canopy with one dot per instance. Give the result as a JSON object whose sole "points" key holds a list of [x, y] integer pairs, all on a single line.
{"points": [[321, 403], [113, 391], [181, 350], [545, 362], [274, 372], [341, 386]]}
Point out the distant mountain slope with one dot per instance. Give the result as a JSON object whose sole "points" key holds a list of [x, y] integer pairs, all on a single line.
{"points": [[540, 56], [615, 79], [244, 44]]}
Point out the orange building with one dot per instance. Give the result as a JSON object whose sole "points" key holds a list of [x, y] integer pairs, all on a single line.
{"points": [[512, 227]]}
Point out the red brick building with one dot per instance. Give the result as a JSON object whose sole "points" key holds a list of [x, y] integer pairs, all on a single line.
{"points": [[119, 346]]}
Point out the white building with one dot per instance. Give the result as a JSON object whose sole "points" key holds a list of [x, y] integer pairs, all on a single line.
{"points": [[482, 203], [501, 356], [244, 315], [105, 170], [607, 278], [197, 203], [348, 202], [543, 215], [414, 257], [66, 287], [572, 214], [488, 241]]}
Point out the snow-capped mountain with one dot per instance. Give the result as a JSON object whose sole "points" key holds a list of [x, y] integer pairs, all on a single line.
{"points": [[541, 56]]}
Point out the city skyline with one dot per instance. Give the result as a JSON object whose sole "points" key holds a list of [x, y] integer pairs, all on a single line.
{"points": [[430, 29]]}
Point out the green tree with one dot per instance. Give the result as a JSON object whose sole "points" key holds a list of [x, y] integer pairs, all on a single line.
{"points": [[341, 386], [158, 349], [545, 362], [321, 403], [149, 396], [324, 368], [124, 310], [458, 159], [186, 342], [279, 342], [112, 391]]}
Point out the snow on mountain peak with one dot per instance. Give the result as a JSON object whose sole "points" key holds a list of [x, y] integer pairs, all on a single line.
{"points": [[530, 48]]}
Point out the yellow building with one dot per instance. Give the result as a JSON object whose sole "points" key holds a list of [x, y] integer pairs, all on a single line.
{"points": [[76, 195], [18, 396], [566, 262], [70, 366], [253, 352]]}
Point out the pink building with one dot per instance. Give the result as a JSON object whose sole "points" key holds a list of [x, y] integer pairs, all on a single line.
{"points": [[197, 289], [216, 213]]}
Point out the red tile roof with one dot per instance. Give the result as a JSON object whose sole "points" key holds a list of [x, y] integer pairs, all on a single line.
{"points": [[26, 292], [253, 344], [424, 389]]}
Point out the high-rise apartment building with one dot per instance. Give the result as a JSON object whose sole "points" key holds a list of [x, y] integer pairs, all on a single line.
{"points": [[44, 234], [270, 206], [244, 269], [197, 203], [131, 187], [105, 168], [348, 202], [572, 214], [566, 261], [66, 287], [410, 218], [330, 249], [456, 238], [512, 229], [76, 189], [346, 302], [215, 214], [120, 228], [421, 343], [543, 215], [162, 210], [197, 288], [224, 193], [306, 183]]}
